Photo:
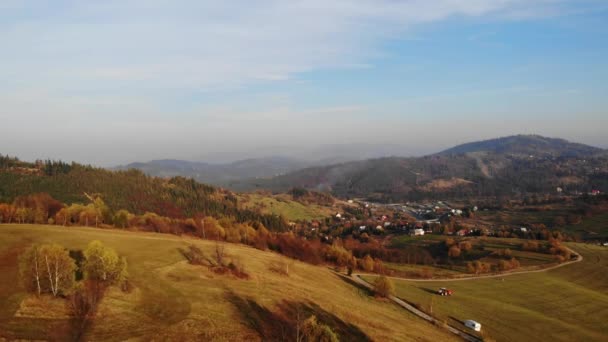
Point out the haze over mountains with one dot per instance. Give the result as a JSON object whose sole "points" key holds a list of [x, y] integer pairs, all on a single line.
{"points": [[511, 165]]}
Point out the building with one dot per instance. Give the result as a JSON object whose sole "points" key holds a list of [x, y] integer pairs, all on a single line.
{"points": [[417, 232]]}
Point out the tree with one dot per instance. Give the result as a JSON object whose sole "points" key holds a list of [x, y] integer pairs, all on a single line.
{"points": [[103, 265], [31, 269], [47, 268], [454, 252], [63, 216], [60, 268], [368, 263], [384, 287], [121, 218]]}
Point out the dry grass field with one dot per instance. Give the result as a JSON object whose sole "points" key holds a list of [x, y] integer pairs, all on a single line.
{"points": [[174, 300]]}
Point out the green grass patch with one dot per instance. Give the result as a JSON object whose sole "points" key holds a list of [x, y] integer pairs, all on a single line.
{"points": [[566, 304]]}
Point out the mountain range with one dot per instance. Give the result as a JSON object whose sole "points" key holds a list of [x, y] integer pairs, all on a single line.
{"points": [[513, 165]]}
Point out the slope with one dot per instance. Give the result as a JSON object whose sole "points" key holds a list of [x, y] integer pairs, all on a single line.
{"points": [[173, 300]]}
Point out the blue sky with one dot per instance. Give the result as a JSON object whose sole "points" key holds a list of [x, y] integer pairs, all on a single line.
{"points": [[117, 81]]}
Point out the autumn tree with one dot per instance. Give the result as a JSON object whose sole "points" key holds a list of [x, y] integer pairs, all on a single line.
{"points": [[103, 265], [454, 252], [47, 268], [121, 218], [367, 263], [384, 287]]}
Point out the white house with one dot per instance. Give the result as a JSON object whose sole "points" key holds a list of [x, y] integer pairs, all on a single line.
{"points": [[362, 228], [417, 232]]}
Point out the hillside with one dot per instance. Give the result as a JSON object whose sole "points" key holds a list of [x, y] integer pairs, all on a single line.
{"points": [[526, 145], [175, 301], [512, 166], [553, 305], [176, 197], [218, 174]]}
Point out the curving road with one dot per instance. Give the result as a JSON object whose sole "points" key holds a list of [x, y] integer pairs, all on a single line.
{"points": [[421, 314], [579, 258], [468, 337]]}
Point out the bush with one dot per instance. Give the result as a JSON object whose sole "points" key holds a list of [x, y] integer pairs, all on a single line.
{"points": [[317, 332], [194, 255]]}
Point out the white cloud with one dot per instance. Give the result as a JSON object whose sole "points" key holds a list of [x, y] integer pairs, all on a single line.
{"points": [[103, 73], [207, 44]]}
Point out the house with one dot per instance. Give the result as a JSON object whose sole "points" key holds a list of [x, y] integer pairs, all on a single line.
{"points": [[386, 224], [594, 192], [417, 232], [379, 227], [362, 227], [523, 229], [338, 215]]}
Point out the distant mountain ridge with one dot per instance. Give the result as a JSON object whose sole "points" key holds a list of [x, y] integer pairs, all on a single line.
{"points": [[218, 174], [515, 165], [526, 145]]}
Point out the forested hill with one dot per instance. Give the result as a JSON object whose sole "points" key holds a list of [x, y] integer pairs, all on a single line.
{"points": [[526, 145], [132, 190], [511, 166]]}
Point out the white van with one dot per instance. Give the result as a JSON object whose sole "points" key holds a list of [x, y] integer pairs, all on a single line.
{"points": [[473, 325]]}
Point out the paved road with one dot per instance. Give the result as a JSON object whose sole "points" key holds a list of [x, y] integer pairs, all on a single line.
{"points": [[579, 258], [421, 314], [357, 278]]}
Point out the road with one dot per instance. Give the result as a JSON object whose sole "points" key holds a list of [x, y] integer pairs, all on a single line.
{"points": [[421, 314], [357, 278], [579, 258]]}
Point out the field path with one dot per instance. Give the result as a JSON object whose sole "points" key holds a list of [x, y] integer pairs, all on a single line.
{"points": [[579, 258]]}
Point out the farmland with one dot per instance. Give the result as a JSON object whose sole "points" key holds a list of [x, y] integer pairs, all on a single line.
{"points": [[173, 300], [569, 303]]}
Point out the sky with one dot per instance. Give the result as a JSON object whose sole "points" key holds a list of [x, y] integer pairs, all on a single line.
{"points": [[111, 82]]}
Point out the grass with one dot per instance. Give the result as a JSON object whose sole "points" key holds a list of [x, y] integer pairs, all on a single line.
{"points": [[288, 208], [173, 300], [458, 266], [595, 227], [565, 304]]}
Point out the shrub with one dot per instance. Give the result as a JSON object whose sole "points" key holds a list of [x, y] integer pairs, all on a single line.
{"points": [[194, 255], [317, 332]]}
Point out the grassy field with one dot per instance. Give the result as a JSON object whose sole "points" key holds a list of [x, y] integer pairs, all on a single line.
{"points": [[458, 266], [566, 304], [595, 227], [175, 301], [280, 205]]}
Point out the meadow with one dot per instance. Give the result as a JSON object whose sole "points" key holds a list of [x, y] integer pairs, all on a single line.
{"points": [[569, 303], [284, 206], [173, 300]]}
